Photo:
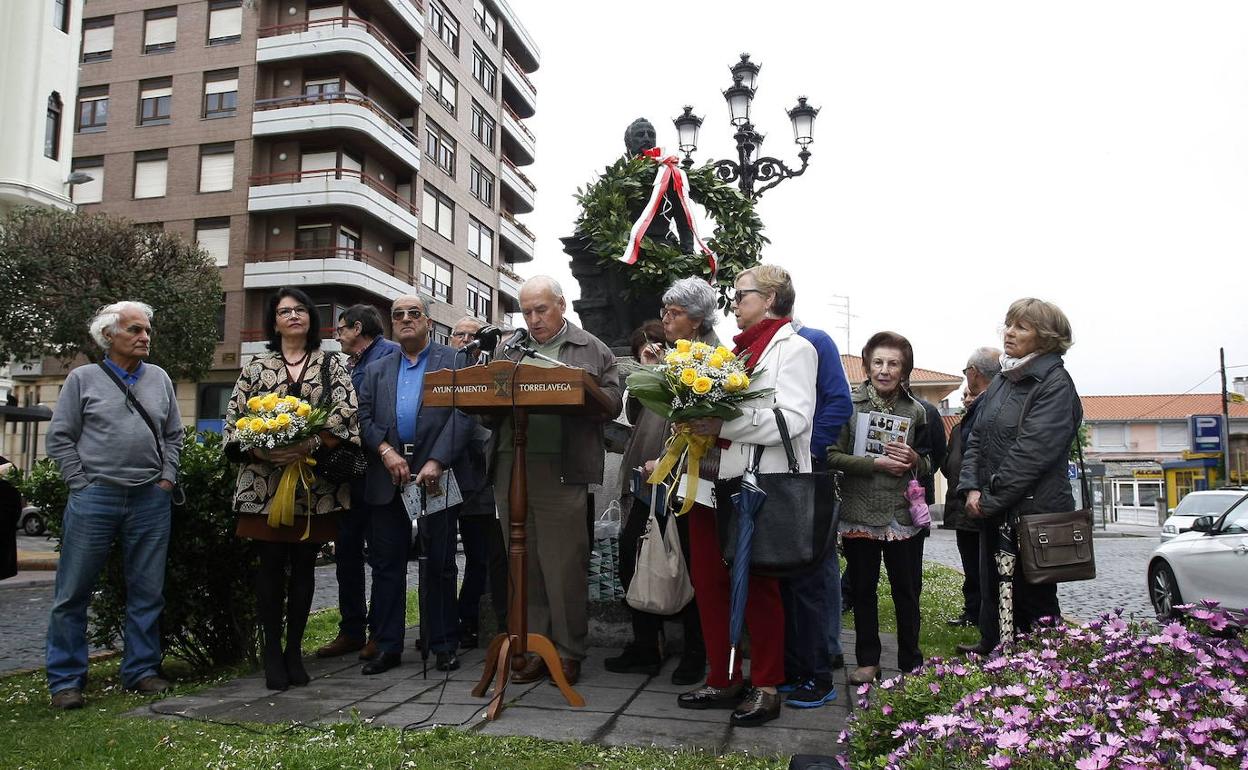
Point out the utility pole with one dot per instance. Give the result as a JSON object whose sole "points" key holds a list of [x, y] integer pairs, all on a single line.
{"points": [[1226, 421], [842, 308]]}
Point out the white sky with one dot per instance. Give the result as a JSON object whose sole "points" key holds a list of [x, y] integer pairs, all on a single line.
{"points": [[967, 154]]}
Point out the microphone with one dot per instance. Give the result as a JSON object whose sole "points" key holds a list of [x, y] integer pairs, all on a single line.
{"points": [[486, 338], [517, 340]]}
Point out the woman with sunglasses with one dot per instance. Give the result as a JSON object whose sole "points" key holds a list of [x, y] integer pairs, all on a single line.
{"points": [[293, 366]]}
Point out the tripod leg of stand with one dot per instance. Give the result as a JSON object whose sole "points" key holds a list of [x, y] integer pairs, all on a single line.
{"points": [[491, 660], [546, 649], [504, 676]]}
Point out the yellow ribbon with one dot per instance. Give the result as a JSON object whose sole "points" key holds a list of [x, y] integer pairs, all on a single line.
{"points": [[683, 451], [282, 509]]}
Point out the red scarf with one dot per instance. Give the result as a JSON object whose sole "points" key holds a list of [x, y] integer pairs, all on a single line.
{"points": [[753, 340]]}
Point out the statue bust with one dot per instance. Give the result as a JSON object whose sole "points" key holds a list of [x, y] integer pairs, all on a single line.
{"points": [[640, 135]]}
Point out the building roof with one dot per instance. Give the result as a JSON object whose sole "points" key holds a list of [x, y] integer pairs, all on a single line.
{"points": [[1156, 407], [855, 373], [951, 421]]}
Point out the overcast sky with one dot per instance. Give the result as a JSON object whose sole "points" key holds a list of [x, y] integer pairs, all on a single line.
{"points": [[967, 154]]}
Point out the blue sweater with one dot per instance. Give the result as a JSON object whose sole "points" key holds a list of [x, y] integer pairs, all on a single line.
{"points": [[832, 405]]}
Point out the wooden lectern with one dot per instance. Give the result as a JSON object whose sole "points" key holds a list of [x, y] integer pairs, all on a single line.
{"points": [[506, 388]]}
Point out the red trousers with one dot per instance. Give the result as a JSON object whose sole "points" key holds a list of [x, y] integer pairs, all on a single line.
{"points": [[764, 611]]}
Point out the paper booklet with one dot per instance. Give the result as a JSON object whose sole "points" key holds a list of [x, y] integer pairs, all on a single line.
{"points": [[447, 495], [875, 429]]}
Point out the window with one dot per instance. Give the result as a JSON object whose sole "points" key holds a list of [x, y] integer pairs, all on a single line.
{"points": [[325, 88], [151, 169], [435, 278], [444, 25], [214, 399], [438, 213], [155, 101], [52, 128], [481, 183], [221, 94], [313, 239], [348, 242], [1109, 435], [325, 161], [160, 30], [480, 301], [216, 167], [441, 85], [439, 147], [483, 70], [92, 191], [486, 20], [97, 39], [441, 333], [480, 241], [60, 14], [1173, 436], [92, 109], [225, 22], [213, 236], [482, 126]]}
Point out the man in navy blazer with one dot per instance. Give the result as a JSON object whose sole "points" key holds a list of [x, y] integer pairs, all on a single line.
{"points": [[407, 442]]}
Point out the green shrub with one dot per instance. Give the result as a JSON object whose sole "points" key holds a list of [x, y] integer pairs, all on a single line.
{"points": [[209, 618]]}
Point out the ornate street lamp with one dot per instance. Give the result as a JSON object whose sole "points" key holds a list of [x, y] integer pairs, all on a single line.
{"points": [[753, 172]]}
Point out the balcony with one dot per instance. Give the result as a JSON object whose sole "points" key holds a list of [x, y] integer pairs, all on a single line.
{"points": [[518, 91], [516, 39], [509, 289], [412, 12], [329, 266], [329, 112], [341, 188], [518, 191], [345, 36], [519, 144], [517, 244]]}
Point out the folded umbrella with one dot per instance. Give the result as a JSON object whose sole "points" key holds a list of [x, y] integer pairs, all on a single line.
{"points": [[747, 502]]}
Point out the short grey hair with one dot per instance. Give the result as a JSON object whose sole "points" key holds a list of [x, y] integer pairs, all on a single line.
{"points": [[107, 318], [426, 302], [544, 282], [986, 361], [697, 298]]}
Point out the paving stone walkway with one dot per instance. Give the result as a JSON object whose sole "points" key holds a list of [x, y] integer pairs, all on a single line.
{"points": [[620, 709]]}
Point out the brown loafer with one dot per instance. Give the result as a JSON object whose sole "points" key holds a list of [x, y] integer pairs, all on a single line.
{"points": [[67, 699], [865, 674], [340, 646], [534, 670], [571, 671], [758, 708], [151, 685], [370, 651]]}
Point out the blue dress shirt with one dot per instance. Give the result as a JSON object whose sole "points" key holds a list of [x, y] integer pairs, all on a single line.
{"points": [[408, 394], [129, 378]]}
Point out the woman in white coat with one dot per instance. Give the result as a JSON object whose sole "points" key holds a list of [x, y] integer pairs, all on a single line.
{"points": [[782, 360]]}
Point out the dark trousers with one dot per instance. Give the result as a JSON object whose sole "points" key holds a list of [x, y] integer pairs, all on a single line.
{"points": [[647, 625], [1031, 602], [903, 559], [968, 549], [485, 560], [436, 534], [806, 600], [390, 548], [349, 548]]}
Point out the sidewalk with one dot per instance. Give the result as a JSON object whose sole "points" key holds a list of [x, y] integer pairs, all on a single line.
{"points": [[620, 709]]}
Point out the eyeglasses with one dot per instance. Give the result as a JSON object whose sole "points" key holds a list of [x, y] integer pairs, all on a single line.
{"points": [[463, 335], [738, 293], [967, 371], [290, 312], [400, 313], [671, 312], [340, 330]]}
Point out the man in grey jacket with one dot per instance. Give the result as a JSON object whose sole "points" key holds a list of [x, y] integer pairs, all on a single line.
{"points": [[117, 436], [564, 456]]}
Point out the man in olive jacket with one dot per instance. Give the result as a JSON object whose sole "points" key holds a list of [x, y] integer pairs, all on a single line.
{"points": [[564, 455]]}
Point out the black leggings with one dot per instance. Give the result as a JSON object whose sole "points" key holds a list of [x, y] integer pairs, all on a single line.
{"points": [[275, 587]]}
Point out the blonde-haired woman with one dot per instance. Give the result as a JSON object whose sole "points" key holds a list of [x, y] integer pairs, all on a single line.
{"points": [[1015, 458]]}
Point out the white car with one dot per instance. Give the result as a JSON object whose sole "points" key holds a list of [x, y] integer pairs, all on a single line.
{"points": [[1208, 562], [1210, 502]]}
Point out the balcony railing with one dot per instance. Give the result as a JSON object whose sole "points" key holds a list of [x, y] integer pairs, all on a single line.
{"points": [[511, 165], [512, 274], [343, 21], [519, 121], [330, 252], [356, 99], [290, 177], [520, 72], [511, 218]]}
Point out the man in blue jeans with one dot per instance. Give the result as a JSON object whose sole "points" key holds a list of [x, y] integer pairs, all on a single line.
{"points": [[117, 436]]}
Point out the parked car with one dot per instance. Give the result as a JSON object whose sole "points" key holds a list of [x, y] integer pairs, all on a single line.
{"points": [[31, 521], [1208, 562], [1212, 502]]}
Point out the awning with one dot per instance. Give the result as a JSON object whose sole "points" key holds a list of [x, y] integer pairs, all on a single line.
{"points": [[25, 413]]}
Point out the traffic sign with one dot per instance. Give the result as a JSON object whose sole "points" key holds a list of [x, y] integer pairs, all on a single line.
{"points": [[1206, 432]]}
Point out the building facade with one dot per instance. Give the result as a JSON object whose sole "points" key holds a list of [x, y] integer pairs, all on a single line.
{"points": [[358, 149]]}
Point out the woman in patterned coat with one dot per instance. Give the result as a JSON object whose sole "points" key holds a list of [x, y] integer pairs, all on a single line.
{"points": [[294, 366]]}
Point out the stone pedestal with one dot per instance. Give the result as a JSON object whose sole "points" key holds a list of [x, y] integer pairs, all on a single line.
{"points": [[604, 308]]}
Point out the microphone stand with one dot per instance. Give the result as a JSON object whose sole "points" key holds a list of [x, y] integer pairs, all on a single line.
{"points": [[528, 352]]}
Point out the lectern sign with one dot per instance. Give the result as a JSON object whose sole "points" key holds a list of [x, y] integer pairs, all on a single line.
{"points": [[503, 384]]}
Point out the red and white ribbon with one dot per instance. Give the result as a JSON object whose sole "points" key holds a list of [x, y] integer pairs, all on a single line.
{"points": [[669, 174]]}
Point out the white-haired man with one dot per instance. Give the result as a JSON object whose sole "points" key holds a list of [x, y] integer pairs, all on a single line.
{"points": [[117, 436], [564, 455]]}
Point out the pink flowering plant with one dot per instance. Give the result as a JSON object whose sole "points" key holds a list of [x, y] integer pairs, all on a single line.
{"points": [[1108, 694]]}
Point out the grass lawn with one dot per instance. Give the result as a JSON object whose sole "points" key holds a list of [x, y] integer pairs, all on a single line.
{"points": [[940, 602], [101, 736]]}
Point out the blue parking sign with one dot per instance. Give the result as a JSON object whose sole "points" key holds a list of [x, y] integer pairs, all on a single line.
{"points": [[1072, 471], [1206, 432]]}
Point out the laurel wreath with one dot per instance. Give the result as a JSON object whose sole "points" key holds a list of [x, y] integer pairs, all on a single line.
{"points": [[607, 217]]}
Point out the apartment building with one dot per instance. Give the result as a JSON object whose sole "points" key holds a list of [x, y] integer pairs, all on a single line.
{"points": [[359, 149]]}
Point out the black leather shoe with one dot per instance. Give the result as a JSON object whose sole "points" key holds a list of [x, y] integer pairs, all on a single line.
{"points": [[447, 661], [708, 697], [635, 659], [758, 708], [690, 670], [383, 662], [962, 620], [973, 649], [838, 661]]}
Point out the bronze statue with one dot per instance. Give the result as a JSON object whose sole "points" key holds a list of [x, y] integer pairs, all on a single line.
{"points": [[639, 136]]}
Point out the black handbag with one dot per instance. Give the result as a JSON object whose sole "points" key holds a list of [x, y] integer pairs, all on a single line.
{"points": [[795, 526], [344, 462]]}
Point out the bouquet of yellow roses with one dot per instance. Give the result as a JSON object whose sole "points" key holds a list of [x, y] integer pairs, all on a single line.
{"points": [[694, 381], [274, 421]]}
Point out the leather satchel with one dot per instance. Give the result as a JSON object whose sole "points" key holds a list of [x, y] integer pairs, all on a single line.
{"points": [[795, 526]]}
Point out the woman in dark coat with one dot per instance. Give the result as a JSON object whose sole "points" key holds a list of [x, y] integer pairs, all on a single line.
{"points": [[1015, 459]]}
